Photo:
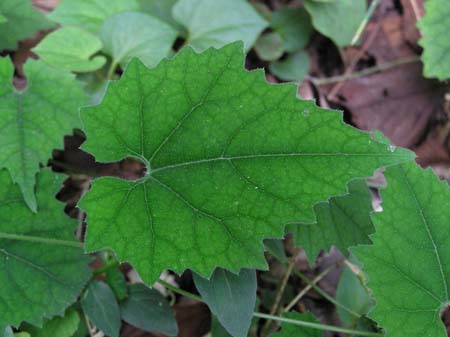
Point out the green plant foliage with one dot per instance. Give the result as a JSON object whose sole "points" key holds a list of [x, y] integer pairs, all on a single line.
{"points": [[231, 298], [19, 21], [435, 26], [219, 22], [276, 248], [64, 326], [90, 14], [128, 35], [343, 222], [100, 305], [289, 330], [269, 47], [116, 280], [148, 310], [34, 121], [7, 332], [43, 268], [338, 20], [294, 68], [162, 9], [230, 160], [294, 26], [71, 48], [408, 262]]}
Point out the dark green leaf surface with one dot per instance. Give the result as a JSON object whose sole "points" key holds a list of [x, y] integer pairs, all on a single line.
{"points": [[148, 310], [343, 222], [294, 26], [20, 21], [34, 122], [128, 35], [64, 326], [100, 305], [162, 9], [90, 14], [231, 298], [42, 267], [338, 20], [117, 282], [231, 159], [269, 47], [290, 330], [219, 22], [408, 263], [294, 68], [435, 27]]}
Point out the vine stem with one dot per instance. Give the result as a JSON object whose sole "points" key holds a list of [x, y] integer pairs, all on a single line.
{"points": [[306, 324], [37, 239]]}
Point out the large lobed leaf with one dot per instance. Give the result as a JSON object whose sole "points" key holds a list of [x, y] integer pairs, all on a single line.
{"points": [[33, 122], [408, 263], [42, 267], [231, 159]]}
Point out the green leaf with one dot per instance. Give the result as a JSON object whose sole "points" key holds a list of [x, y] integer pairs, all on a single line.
{"points": [[71, 48], [42, 266], [408, 262], [294, 68], [33, 122], [219, 22], [20, 21], [100, 305], [338, 20], [162, 9], [435, 26], [64, 326], [116, 280], [353, 294], [269, 47], [343, 222], [148, 310], [290, 330], [129, 35], [3, 19], [230, 160], [90, 14], [294, 26], [7, 332], [276, 248], [231, 298]]}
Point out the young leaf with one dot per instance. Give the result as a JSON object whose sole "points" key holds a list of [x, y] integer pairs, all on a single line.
{"points": [[343, 222], [408, 262], [294, 68], [20, 21], [128, 35], [34, 121], [290, 330], [64, 326], [71, 48], [100, 305], [148, 310], [90, 14], [7, 332], [230, 160], [435, 26], [269, 47], [338, 20], [42, 267], [231, 298], [219, 22], [294, 26], [116, 280], [162, 9]]}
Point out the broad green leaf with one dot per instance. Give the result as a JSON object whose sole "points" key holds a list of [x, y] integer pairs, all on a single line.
{"points": [[22, 334], [230, 297], [294, 68], [3, 19], [90, 14], [407, 264], [33, 122], [343, 222], [132, 34], [217, 330], [276, 248], [219, 22], [71, 48], [230, 160], [148, 310], [294, 26], [116, 280], [42, 266], [20, 21], [162, 9], [291, 330], [338, 20], [269, 47], [100, 305], [7, 332], [435, 26], [64, 326], [353, 294]]}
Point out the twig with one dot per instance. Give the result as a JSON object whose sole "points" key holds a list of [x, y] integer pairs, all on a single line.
{"points": [[364, 22], [416, 9]]}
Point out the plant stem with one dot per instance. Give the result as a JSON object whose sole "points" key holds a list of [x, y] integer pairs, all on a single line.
{"points": [[180, 291], [37, 239], [111, 70], [364, 22]]}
